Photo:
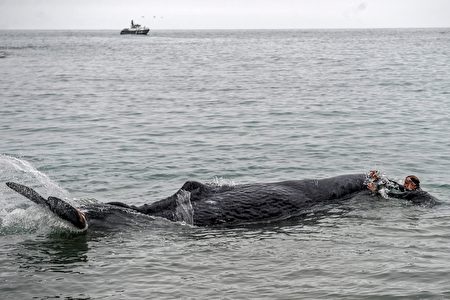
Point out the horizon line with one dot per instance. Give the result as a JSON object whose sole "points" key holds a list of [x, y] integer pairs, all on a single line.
{"points": [[218, 29]]}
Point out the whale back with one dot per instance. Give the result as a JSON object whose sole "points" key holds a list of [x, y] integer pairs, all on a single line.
{"points": [[270, 201], [330, 189]]}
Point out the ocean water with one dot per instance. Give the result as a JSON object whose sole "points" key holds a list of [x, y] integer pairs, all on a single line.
{"points": [[95, 116]]}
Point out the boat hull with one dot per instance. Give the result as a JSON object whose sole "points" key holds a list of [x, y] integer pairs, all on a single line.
{"points": [[139, 31]]}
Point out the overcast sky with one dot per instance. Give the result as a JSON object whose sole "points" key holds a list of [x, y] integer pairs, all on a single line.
{"points": [[223, 14]]}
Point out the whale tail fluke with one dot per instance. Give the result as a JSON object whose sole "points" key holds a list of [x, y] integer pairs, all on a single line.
{"points": [[58, 206], [28, 193]]}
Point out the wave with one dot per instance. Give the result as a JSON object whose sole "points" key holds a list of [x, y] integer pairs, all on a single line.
{"points": [[23, 47]]}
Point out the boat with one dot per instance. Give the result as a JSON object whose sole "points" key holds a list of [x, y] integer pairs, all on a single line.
{"points": [[135, 29]]}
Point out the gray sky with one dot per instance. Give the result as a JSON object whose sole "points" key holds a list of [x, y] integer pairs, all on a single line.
{"points": [[223, 14]]}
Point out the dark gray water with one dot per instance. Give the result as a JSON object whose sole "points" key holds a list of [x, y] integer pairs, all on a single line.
{"points": [[95, 116]]}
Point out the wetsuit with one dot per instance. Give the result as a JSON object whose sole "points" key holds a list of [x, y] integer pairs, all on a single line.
{"points": [[417, 196]]}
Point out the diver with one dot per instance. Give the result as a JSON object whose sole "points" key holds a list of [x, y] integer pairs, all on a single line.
{"points": [[410, 190]]}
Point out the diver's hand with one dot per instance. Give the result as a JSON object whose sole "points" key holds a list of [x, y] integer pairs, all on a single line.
{"points": [[372, 186]]}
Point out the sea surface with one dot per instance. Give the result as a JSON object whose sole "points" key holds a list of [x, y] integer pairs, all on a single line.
{"points": [[95, 116]]}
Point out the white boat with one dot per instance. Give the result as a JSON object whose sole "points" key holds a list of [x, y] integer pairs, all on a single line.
{"points": [[135, 29]]}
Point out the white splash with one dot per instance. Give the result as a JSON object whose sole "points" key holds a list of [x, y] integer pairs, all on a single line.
{"points": [[220, 181], [17, 214], [184, 211], [383, 184], [31, 219], [23, 172]]}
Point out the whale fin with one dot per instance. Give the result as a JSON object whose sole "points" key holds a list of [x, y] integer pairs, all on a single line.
{"points": [[28, 193], [57, 206]]}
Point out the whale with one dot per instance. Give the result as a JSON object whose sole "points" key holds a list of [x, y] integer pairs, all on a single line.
{"points": [[253, 203], [200, 204]]}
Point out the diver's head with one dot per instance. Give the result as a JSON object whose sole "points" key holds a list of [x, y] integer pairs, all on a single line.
{"points": [[412, 183]]}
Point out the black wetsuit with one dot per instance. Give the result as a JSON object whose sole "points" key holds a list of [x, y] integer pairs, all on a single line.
{"points": [[417, 196]]}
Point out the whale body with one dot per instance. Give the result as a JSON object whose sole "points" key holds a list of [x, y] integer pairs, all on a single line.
{"points": [[207, 205], [252, 203]]}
